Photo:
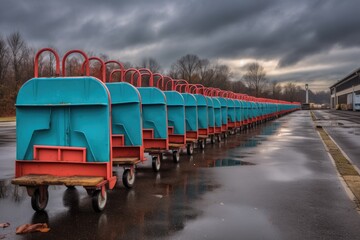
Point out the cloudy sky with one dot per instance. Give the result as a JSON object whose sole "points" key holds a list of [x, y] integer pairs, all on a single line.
{"points": [[307, 41]]}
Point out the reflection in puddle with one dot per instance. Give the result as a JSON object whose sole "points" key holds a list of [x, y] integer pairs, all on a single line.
{"points": [[229, 163]]}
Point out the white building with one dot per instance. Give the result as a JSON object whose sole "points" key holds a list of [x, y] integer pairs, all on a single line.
{"points": [[340, 90]]}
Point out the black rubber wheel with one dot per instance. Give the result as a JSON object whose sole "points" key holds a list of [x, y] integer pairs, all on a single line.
{"points": [[89, 191], [98, 201], [156, 163], [39, 203], [190, 149], [202, 144], [176, 156], [212, 139], [128, 179], [225, 135]]}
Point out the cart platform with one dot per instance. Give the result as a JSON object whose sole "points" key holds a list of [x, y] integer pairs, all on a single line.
{"points": [[176, 145], [126, 160], [38, 180]]}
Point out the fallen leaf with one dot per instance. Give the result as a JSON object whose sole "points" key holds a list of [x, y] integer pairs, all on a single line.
{"points": [[28, 228], [4, 225]]}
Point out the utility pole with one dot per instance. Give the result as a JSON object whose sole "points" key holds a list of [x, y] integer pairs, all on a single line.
{"points": [[307, 93]]}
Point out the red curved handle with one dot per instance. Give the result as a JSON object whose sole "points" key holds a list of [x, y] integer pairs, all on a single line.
{"points": [[135, 71], [102, 67], [172, 81], [192, 88], [87, 72], [177, 82], [115, 71], [121, 69], [147, 73], [36, 61], [159, 81], [179, 88]]}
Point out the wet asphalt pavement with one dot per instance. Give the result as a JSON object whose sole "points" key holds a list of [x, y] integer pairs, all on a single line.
{"points": [[272, 182], [344, 128]]}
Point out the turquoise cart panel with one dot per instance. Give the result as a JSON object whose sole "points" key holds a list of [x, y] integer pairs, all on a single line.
{"points": [[238, 110], [154, 111], [202, 108], [72, 112], [231, 113], [211, 113], [217, 112], [176, 111], [126, 112], [224, 110], [191, 115]]}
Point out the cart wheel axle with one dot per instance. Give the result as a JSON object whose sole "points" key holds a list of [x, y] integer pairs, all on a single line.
{"points": [[176, 156], [156, 163], [128, 178], [39, 199], [190, 149], [99, 200]]}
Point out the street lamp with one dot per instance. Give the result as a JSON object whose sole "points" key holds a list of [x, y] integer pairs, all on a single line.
{"points": [[307, 92]]}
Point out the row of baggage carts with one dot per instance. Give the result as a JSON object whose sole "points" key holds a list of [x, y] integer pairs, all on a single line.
{"points": [[75, 130]]}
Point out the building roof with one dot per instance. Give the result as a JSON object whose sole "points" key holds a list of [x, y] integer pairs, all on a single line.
{"points": [[356, 71]]}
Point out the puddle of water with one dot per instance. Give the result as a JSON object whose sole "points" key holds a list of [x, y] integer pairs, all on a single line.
{"points": [[227, 162]]}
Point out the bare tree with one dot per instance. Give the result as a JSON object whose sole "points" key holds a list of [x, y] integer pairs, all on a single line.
{"points": [[207, 72], [255, 78], [222, 77], [275, 90], [4, 59], [16, 46], [238, 86], [290, 92], [186, 67], [73, 66], [151, 64]]}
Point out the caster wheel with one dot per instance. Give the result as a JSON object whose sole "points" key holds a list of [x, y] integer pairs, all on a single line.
{"points": [[98, 201], [202, 144], [89, 191], [128, 178], [190, 149], [39, 200], [212, 139], [156, 163], [176, 156]]}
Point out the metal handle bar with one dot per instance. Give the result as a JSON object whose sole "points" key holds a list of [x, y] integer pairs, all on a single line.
{"points": [[36, 61], [87, 70]]}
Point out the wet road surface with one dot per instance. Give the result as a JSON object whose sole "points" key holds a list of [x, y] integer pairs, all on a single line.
{"points": [[344, 128], [272, 182]]}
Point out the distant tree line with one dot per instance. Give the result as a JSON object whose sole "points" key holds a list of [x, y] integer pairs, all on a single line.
{"points": [[17, 66]]}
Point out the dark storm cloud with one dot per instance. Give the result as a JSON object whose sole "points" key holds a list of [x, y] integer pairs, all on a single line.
{"points": [[290, 31]]}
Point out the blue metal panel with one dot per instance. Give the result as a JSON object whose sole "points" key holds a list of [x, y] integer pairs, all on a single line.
{"points": [[246, 106], [238, 110], [217, 112], [211, 113], [224, 109], [64, 112], [154, 111], [176, 111], [126, 112], [202, 109], [231, 114], [191, 115]]}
